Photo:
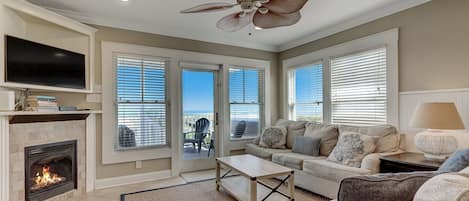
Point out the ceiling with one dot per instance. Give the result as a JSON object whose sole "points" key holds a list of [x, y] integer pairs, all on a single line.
{"points": [[320, 18]]}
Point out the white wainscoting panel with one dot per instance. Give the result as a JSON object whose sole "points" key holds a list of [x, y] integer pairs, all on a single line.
{"points": [[410, 100]]}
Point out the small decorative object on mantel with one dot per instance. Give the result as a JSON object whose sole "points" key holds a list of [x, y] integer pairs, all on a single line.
{"points": [[436, 143], [42, 104]]}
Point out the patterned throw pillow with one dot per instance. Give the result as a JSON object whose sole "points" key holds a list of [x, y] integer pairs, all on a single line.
{"points": [[274, 137], [352, 148]]}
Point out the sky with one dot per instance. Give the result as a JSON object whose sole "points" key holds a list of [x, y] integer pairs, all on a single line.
{"points": [[198, 91]]}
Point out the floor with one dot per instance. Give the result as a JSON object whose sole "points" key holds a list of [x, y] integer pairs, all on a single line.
{"points": [[190, 153], [113, 194]]}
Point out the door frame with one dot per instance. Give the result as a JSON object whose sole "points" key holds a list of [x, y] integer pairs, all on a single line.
{"points": [[209, 163]]}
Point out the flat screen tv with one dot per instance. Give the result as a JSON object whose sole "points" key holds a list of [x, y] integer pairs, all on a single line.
{"points": [[28, 62]]}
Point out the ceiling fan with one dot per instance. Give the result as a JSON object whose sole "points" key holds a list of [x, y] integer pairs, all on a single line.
{"points": [[264, 14]]}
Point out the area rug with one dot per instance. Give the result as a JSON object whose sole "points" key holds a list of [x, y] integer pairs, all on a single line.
{"points": [[205, 191]]}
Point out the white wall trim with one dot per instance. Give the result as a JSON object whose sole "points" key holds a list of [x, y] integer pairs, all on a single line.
{"points": [[389, 39], [354, 22], [4, 158], [435, 91], [362, 19], [90, 152], [132, 179], [411, 99]]}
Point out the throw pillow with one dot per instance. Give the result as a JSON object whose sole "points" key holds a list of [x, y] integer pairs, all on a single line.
{"points": [[352, 148], [274, 137], [256, 140], [294, 129], [327, 133], [456, 162], [445, 187], [306, 145], [389, 137]]}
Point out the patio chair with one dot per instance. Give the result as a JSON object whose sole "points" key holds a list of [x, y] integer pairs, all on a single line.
{"points": [[201, 131]]}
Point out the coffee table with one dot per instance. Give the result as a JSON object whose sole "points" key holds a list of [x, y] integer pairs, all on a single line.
{"points": [[247, 186]]}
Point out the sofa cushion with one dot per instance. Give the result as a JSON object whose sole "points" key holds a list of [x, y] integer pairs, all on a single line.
{"points": [[352, 148], [447, 187], [383, 187], [274, 137], [264, 153], [306, 145], [328, 134], [389, 138], [458, 161], [293, 160], [332, 171]]}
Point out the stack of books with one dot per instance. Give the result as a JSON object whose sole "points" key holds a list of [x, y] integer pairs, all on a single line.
{"points": [[42, 104]]}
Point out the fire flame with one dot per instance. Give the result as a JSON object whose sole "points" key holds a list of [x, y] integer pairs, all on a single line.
{"points": [[46, 178]]}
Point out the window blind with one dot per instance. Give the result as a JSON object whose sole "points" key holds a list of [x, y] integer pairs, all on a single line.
{"points": [[246, 90], [307, 87], [141, 102], [358, 88]]}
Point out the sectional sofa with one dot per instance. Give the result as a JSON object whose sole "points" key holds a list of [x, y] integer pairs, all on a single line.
{"points": [[316, 173]]}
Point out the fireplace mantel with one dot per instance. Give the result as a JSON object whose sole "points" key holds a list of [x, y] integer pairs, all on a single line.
{"points": [[7, 116]]}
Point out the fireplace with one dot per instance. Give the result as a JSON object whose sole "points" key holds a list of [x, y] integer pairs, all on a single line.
{"points": [[50, 170]]}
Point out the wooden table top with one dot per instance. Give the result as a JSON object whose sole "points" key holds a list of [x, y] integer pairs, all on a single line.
{"points": [[412, 159], [252, 166]]}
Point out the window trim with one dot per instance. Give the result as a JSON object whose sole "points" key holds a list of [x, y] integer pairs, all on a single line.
{"points": [[263, 117], [291, 86], [388, 39], [166, 101]]}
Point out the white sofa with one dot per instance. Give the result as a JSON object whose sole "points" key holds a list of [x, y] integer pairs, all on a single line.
{"points": [[319, 175]]}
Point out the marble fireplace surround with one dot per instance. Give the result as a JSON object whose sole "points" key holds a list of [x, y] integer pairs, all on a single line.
{"points": [[18, 132]]}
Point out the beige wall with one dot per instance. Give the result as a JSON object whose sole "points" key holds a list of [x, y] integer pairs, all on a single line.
{"points": [[433, 44], [139, 38]]}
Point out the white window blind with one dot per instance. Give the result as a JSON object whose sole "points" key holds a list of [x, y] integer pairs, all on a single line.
{"points": [[246, 91], [141, 102], [306, 86], [359, 88]]}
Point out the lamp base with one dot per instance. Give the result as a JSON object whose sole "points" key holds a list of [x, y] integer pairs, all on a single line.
{"points": [[437, 158], [436, 145]]}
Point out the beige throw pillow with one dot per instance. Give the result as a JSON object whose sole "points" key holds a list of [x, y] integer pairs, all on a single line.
{"points": [[352, 148], [328, 134], [294, 129], [274, 137], [389, 137]]}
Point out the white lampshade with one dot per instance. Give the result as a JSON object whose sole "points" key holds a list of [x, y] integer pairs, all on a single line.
{"points": [[443, 116]]}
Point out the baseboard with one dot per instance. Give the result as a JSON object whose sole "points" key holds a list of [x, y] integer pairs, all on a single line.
{"points": [[131, 179]]}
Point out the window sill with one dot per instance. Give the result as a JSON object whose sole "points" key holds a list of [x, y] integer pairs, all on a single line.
{"points": [[243, 138]]}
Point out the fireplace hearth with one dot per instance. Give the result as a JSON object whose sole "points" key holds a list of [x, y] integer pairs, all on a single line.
{"points": [[50, 170]]}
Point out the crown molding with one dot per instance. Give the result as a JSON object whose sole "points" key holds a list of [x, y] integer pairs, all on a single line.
{"points": [[354, 22], [142, 26]]}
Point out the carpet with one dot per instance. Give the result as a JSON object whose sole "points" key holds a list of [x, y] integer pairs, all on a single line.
{"points": [[205, 191]]}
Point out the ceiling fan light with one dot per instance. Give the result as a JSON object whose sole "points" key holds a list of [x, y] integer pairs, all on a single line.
{"points": [[257, 28]]}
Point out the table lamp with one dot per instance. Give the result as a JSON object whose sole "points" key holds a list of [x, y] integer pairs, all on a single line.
{"points": [[436, 142]]}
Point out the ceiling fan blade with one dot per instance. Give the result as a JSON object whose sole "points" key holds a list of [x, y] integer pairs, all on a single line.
{"points": [[285, 6], [272, 20], [209, 7], [235, 21]]}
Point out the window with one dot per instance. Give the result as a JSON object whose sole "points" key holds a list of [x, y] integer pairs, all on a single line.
{"points": [[306, 87], [141, 102], [246, 95], [359, 88]]}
